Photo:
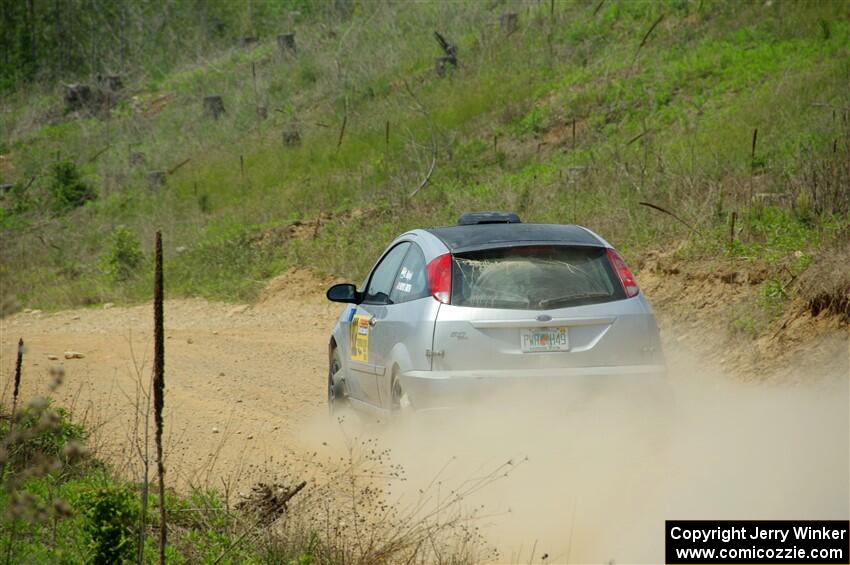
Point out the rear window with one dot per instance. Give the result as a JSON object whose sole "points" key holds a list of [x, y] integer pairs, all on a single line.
{"points": [[534, 278]]}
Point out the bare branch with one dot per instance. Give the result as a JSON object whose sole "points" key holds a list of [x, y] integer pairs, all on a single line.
{"points": [[669, 213], [342, 128], [98, 154], [173, 169], [433, 165], [646, 36], [598, 7]]}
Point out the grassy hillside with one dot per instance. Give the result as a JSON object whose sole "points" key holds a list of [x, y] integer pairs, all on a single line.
{"points": [[709, 110], [63, 39]]}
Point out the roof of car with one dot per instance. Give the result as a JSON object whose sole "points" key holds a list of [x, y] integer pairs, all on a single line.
{"points": [[487, 236]]}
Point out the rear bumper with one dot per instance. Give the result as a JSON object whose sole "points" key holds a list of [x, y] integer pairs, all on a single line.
{"points": [[429, 390]]}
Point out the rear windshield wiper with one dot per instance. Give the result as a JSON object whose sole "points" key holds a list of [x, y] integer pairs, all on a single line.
{"points": [[571, 298]]}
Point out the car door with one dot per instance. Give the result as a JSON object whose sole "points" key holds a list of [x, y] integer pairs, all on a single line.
{"points": [[360, 375], [403, 329], [363, 359]]}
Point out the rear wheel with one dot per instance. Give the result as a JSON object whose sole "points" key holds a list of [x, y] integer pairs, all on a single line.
{"points": [[399, 401], [396, 394], [337, 398]]}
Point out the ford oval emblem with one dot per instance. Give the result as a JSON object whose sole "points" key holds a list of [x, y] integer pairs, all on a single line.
{"points": [[544, 318]]}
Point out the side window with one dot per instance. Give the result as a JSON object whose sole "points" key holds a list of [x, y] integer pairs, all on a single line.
{"points": [[381, 281], [411, 283]]}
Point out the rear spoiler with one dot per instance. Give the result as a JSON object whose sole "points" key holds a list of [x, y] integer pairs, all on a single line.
{"points": [[505, 244]]}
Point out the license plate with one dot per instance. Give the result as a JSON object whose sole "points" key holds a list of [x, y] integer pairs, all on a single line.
{"points": [[544, 339]]}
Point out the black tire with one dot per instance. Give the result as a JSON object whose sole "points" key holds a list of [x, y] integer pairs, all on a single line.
{"points": [[337, 398], [395, 393], [400, 405]]}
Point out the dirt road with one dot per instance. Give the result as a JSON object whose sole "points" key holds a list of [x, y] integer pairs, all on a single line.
{"points": [[245, 399], [240, 381], [245, 384]]}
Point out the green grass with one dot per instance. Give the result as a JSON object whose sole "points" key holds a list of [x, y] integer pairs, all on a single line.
{"points": [[671, 123], [54, 509]]}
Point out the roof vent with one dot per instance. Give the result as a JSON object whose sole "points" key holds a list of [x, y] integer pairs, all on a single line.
{"points": [[473, 218]]}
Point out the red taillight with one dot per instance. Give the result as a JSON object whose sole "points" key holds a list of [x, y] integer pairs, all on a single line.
{"points": [[626, 277], [440, 277]]}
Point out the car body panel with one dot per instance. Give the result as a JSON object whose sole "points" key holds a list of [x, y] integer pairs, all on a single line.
{"points": [[444, 353], [400, 338], [458, 239], [399, 334], [361, 379], [436, 390], [610, 333]]}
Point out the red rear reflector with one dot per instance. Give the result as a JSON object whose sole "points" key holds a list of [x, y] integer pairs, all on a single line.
{"points": [[626, 277], [440, 277]]}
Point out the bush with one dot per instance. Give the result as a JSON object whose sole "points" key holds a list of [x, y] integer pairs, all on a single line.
{"points": [[124, 256], [17, 204], [41, 432], [111, 514], [67, 189]]}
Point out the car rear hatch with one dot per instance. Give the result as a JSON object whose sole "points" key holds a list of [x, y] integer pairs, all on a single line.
{"points": [[540, 307]]}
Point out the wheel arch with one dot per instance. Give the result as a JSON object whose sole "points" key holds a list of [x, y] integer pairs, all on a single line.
{"points": [[400, 362], [400, 358]]}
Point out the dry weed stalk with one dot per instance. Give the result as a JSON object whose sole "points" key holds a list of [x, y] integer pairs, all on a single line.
{"points": [[346, 513], [361, 522], [17, 388], [159, 390], [141, 412]]}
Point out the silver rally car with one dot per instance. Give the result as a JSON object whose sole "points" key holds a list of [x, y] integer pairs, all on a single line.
{"points": [[449, 314]]}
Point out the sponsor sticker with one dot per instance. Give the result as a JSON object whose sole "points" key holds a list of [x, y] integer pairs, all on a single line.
{"points": [[359, 338]]}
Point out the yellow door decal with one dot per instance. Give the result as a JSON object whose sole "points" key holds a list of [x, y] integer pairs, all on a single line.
{"points": [[359, 338]]}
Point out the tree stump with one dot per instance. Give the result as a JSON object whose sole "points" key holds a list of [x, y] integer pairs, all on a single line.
{"points": [[286, 43], [77, 96], [450, 58], [4, 188], [291, 137], [213, 106], [136, 158], [156, 179], [109, 83], [440, 64], [509, 22], [217, 25]]}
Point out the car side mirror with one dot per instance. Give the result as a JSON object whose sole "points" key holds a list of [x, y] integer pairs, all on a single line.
{"points": [[345, 292]]}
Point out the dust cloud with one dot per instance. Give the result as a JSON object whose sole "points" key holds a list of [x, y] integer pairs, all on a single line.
{"points": [[592, 481]]}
